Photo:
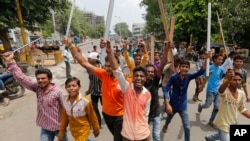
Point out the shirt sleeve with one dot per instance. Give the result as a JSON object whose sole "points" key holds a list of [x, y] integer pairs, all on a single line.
{"points": [[148, 108], [22, 78], [92, 115], [167, 87], [241, 107], [197, 74], [128, 61], [64, 123], [121, 79], [144, 59], [100, 73]]}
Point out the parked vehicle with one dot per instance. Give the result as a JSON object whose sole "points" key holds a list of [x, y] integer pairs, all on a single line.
{"points": [[13, 88]]}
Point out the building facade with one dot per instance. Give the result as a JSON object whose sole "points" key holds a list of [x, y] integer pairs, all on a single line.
{"points": [[137, 29], [93, 19]]}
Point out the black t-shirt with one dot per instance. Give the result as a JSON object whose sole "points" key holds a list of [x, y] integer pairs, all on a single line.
{"points": [[155, 104]]}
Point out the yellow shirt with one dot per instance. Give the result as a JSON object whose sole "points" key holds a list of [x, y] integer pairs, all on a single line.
{"points": [[80, 116], [229, 108], [131, 65]]}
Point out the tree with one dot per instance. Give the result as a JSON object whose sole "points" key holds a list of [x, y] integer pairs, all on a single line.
{"points": [[236, 21], [37, 11], [191, 18], [122, 29]]}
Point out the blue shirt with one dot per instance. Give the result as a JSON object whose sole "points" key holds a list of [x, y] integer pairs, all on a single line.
{"points": [[214, 78], [178, 98]]}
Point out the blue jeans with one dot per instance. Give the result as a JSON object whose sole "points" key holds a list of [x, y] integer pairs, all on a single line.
{"points": [[4, 76], [156, 127], [47, 135], [185, 121], [212, 97], [219, 135]]}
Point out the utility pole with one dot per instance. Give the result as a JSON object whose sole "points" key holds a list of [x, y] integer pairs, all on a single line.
{"points": [[23, 34]]}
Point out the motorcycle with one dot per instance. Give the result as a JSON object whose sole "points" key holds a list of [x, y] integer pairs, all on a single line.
{"points": [[13, 88]]}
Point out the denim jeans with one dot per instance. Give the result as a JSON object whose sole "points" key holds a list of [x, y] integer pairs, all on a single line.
{"points": [[156, 127], [114, 124], [2, 77], [185, 121], [47, 135], [219, 135], [95, 100], [212, 97]]}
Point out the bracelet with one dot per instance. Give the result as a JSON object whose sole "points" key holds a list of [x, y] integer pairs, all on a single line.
{"points": [[71, 46], [76, 55]]}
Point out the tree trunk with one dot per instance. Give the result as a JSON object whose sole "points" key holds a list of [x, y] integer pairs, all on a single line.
{"points": [[5, 39]]}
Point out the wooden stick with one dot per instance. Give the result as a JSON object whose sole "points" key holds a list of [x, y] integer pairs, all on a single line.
{"points": [[221, 32], [171, 36], [164, 20], [152, 45], [172, 24]]}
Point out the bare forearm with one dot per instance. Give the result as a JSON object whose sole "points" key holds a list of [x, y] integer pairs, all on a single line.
{"points": [[114, 64], [223, 87]]}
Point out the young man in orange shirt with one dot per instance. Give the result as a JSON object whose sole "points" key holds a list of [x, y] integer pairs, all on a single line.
{"points": [[112, 97]]}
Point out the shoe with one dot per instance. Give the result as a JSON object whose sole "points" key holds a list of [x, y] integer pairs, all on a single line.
{"points": [[6, 101], [199, 108], [165, 128], [206, 138]]}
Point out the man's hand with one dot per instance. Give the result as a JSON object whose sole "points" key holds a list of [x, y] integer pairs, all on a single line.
{"points": [[103, 43], [142, 43], [8, 56], [248, 98], [169, 109], [67, 41], [96, 133], [60, 138]]}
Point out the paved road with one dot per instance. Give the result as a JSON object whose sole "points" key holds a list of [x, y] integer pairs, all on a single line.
{"points": [[19, 117]]}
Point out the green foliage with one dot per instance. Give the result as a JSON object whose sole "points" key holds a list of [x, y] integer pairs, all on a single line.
{"points": [[236, 20], [33, 11], [122, 29]]}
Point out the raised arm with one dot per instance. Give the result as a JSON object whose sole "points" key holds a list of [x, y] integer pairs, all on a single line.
{"points": [[164, 59], [76, 53], [116, 68], [113, 62], [24, 80], [145, 53]]}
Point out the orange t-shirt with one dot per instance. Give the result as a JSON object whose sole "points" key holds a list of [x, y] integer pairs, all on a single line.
{"points": [[112, 97]]}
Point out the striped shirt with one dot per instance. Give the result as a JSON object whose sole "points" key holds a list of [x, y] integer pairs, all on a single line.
{"points": [[136, 110], [95, 86], [48, 103]]}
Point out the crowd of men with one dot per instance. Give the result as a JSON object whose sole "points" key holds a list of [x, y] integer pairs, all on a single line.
{"points": [[127, 85]]}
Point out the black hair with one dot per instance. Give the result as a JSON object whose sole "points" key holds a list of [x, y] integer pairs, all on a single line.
{"points": [[232, 53], [202, 52], [216, 56], [149, 65], [44, 71], [185, 62], [238, 57], [139, 68], [237, 73], [72, 79], [116, 57], [135, 55]]}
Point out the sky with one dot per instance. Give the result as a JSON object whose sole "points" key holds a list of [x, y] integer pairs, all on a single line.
{"points": [[127, 11]]}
